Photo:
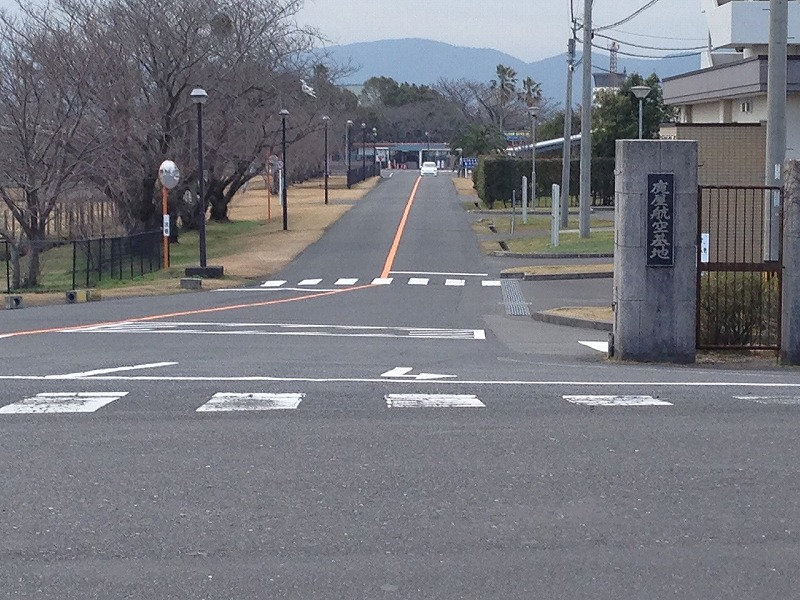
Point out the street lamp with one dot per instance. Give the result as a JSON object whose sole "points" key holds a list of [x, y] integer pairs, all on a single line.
{"points": [[641, 92], [364, 150], [284, 113], [326, 118], [534, 112], [374, 148], [347, 148], [199, 97]]}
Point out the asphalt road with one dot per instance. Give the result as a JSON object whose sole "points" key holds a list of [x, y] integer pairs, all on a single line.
{"points": [[372, 423]]}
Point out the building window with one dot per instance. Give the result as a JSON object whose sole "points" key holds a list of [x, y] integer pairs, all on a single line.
{"points": [[746, 106]]}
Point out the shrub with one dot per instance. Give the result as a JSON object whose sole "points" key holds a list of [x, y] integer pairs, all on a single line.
{"points": [[738, 309]]}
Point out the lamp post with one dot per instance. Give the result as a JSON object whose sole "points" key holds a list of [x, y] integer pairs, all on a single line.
{"points": [[347, 149], [326, 118], [284, 113], [428, 137], [534, 113], [199, 97], [364, 150], [641, 92], [374, 148]]}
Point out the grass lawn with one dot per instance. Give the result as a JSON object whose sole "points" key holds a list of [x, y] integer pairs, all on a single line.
{"points": [[569, 243]]}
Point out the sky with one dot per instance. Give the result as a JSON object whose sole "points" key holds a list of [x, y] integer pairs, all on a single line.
{"points": [[526, 29]]}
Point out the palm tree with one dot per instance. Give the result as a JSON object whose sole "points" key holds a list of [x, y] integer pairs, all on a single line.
{"points": [[506, 86], [531, 92]]}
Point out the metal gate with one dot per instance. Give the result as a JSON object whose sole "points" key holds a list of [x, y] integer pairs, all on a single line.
{"points": [[739, 267]]}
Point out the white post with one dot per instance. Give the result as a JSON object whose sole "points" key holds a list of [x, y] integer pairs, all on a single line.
{"points": [[556, 219], [524, 200]]}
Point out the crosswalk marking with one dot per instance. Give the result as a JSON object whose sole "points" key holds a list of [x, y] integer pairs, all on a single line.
{"points": [[433, 401], [283, 285], [229, 401], [62, 402], [775, 400], [617, 401]]}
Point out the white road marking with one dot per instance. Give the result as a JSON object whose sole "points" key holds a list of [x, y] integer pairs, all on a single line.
{"points": [[62, 402], [285, 329], [433, 401], [382, 281], [454, 282], [418, 281], [273, 283], [346, 281], [229, 401], [616, 401], [404, 372], [114, 370], [310, 282], [275, 289], [490, 283], [599, 346], [444, 274], [777, 400]]}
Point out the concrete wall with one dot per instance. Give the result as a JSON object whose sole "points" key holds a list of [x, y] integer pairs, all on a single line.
{"points": [[654, 307]]}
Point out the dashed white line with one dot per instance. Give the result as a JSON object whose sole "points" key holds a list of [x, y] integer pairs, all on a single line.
{"points": [[346, 281], [455, 282], [310, 282], [62, 402], [433, 401], [616, 401], [273, 283], [229, 401], [418, 281]]}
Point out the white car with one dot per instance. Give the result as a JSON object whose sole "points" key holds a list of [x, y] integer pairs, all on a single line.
{"points": [[429, 168]]}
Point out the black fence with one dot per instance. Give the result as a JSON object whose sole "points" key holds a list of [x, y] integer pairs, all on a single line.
{"points": [[119, 258], [739, 268], [361, 173]]}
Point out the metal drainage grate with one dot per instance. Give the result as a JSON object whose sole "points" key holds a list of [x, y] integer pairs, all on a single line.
{"points": [[512, 298]]}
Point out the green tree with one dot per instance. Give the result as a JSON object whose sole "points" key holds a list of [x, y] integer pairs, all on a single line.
{"points": [[616, 114], [476, 140]]}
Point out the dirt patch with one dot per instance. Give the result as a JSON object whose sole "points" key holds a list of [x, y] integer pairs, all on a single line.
{"points": [[589, 313], [464, 187], [561, 269]]}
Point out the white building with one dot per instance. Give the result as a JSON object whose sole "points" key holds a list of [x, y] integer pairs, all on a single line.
{"points": [[727, 98]]}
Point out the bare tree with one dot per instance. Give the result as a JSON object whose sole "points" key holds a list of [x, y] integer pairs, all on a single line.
{"points": [[44, 103]]}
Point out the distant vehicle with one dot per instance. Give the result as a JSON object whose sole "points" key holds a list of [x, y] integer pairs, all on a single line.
{"points": [[429, 168]]}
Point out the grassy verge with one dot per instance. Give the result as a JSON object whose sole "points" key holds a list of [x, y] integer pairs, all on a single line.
{"points": [[569, 243]]}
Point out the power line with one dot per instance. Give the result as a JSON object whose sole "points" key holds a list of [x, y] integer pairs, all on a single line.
{"points": [[683, 55], [683, 49], [633, 15], [659, 37]]}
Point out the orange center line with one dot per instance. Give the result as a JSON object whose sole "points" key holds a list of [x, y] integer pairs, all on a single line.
{"points": [[387, 267], [183, 313]]}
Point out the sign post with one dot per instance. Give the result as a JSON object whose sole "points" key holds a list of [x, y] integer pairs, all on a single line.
{"points": [[169, 175]]}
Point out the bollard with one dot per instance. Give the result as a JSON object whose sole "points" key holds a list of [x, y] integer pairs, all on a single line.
{"points": [[556, 194], [13, 301]]}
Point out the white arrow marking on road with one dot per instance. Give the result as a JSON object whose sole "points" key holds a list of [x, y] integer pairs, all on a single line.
{"points": [[599, 346], [111, 370], [404, 372]]}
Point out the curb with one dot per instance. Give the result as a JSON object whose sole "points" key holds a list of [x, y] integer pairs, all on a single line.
{"points": [[553, 276], [549, 317], [506, 254]]}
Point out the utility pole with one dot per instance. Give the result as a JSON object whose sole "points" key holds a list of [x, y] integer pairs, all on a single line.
{"points": [[567, 153], [776, 120], [586, 121]]}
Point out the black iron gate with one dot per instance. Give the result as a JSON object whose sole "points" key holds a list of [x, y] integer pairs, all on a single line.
{"points": [[739, 267]]}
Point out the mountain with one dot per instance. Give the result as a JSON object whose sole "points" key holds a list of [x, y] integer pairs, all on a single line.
{"points": [[424, 62]]}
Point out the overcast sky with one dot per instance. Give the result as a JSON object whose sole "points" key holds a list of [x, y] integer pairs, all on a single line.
{"points": [[527, 29]]}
